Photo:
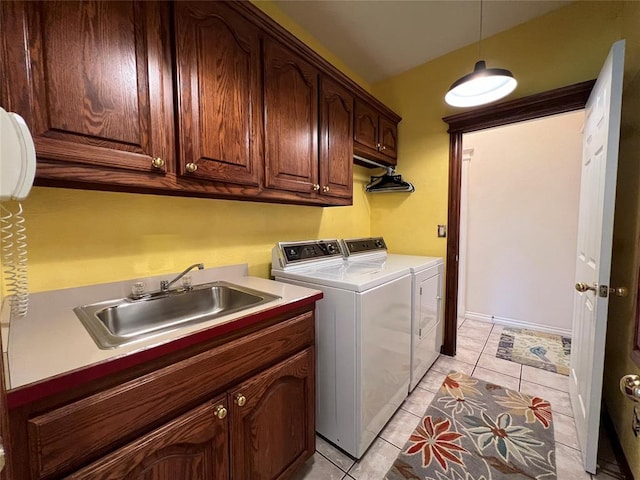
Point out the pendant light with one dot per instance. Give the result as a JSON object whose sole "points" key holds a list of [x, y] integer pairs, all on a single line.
{"points": [[483, 85]]}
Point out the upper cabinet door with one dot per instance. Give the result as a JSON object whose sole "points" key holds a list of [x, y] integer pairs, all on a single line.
{"points": [[388, 138], [95, 80], [336, 140], [291, 120], [366, 126], [219, 94]]}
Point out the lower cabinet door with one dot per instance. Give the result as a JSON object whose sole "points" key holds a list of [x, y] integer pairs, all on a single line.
{"points": [[273, 420], [193, 446]]}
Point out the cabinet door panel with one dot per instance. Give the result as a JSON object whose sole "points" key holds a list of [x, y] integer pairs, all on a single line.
{"points": [[274, 432], [366, 126], [388, 138], [336, 140], [97, 78], [291, 120], [191, 447], [219, 96]]}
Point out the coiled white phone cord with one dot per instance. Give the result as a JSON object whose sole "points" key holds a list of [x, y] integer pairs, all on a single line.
{"points": [[14, 258]]}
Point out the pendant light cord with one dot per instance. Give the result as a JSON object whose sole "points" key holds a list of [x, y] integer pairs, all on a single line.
{"points": [[480, 41]]}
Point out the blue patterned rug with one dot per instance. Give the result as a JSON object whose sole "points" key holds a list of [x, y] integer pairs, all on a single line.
{"points": [[547, 351], [474, 430]]}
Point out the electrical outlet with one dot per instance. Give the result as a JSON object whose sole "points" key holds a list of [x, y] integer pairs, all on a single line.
{"points": [[442, 231]]}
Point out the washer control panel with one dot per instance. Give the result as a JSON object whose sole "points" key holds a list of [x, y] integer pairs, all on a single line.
{"points": [[364, 245], [306, 251]]}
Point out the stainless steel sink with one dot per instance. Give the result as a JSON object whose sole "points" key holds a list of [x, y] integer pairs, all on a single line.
{"points": [[114, 323]]}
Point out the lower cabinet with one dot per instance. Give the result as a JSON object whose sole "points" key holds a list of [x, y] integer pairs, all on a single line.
{"points": [[271, 432], [193, 446], [242, 409], [265, 434]]}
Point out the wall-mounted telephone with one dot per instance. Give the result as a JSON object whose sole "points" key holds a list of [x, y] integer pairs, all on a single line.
{"points": [[17, 170]]}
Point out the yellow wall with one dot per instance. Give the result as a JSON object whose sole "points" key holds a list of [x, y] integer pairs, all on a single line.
{"points": [[78, 237], [563, 47], [558, 49], [626, 242], [81, 237]]}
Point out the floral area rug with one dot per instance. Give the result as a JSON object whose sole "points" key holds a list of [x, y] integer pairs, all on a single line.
{"points": [[474, 430], [538, 349]]}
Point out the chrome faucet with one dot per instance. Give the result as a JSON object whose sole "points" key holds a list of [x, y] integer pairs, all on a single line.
{"points": [[165, 284]]}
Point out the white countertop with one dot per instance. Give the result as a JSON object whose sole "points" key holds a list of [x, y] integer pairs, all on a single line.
{"points": [[50, 340]]}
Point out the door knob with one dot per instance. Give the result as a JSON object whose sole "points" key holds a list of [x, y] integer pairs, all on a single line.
{"points": [[191, 167], [240, 400], [630, 387], [583, 287], [315, 187], [619, 292], [325, 189], [2, 455], [157, 162]]}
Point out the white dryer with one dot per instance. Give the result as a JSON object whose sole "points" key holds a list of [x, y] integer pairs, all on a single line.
{"points": [[363, 339], [427, 280]]}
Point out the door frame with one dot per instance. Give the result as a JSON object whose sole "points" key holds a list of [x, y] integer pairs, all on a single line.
{"points": [[552, 102]]}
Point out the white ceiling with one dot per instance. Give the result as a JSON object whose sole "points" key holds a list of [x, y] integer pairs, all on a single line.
{"points": [[379, 39]]}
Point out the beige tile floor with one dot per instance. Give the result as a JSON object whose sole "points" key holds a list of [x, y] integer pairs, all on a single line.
{"points": [[477, 346]]}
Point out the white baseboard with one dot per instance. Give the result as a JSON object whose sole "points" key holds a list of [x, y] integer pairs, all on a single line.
{"points": [[480, 317], [510, 322]]}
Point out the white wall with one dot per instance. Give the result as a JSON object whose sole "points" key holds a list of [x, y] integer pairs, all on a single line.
{"points": [[522, 193]]}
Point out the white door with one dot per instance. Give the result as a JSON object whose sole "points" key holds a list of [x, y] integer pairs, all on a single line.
{"points": [[593, 264]]}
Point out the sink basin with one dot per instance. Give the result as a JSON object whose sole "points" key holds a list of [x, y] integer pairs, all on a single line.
{"points": [[114, 323]]}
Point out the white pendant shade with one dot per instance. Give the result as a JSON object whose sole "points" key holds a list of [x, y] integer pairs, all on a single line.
{"points": [[484, 85]]}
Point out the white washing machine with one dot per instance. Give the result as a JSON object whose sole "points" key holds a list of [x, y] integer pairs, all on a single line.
{"points": [[426, 301], [363, 338]]}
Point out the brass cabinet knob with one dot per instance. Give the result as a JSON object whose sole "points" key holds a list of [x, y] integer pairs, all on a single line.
{"points": [[325, 189], [378, 146], [157, 162], [316, 187], [383, 148], [191, 167], [220, 412], [240, 400]]}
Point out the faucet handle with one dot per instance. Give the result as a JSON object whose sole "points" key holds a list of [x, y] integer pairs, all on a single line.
{"points": [[137, 289], [186, 282]]}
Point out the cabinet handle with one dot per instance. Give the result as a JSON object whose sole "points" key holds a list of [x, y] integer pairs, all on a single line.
{"points": [[383, 148], [220, 412], [316, 187], [378, 146], [157, 162], [325, 189], [240, 400], [191, 167]]}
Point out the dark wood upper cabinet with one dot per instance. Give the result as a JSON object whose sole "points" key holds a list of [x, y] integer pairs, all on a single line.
{"points": [[219, 94], [366, 130], [209, 99], [291, 120], [388, 138], [336, 140], [273, 409], [375, 134], [92, 80], [191, 447]]}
